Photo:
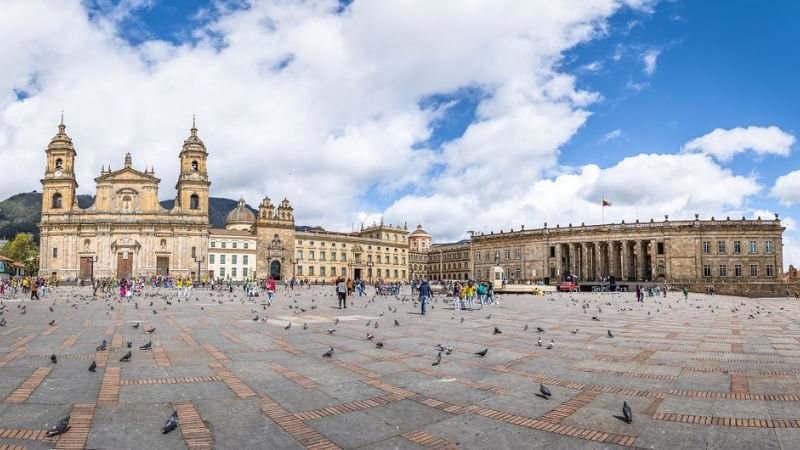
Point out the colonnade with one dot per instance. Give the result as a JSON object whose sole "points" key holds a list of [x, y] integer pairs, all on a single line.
{"points": [[625, 260]]}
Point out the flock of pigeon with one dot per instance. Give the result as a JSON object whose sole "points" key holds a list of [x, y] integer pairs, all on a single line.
{"points": [[296, 308]]}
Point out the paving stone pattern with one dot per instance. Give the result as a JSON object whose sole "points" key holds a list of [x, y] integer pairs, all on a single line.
{"points": [[707, 372]]}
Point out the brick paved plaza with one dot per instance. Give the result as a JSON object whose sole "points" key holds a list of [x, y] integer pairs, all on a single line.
{"points": [[694, 378]]}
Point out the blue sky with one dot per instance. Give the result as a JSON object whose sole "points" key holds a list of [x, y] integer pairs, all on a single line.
{"points": [[456, 114]]}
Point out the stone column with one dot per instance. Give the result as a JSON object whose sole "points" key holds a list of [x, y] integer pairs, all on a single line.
{"points": [[571, 259], [557, 261], [600, 260], [639, 260], [625, 261], [584, 261]]}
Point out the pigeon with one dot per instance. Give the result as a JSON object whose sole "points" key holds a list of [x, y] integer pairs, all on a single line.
{"points": [[130, 344], [376, 324], [379, 345], [482, 352], [369, 337], [396, 323], [526, 327], [489, 316], [52, 322], [437, 360], [171, 423], [53, 359], [551, 345], [331, 330], [540, 329], [3, 322], [328, 354], [575, 331], [337, 321], [288, 326], [539, 342], [102, 346], [136, 325], [146, 346], [151, 330], [305, 325], [595, 318], [60, 428], [51, 309], [127, 357], [449, 350], [255, 319], [369, 322], [545, 392], [462, 320], [610, 334], [440, 347], [497, 331], [626, 412], [93, 366]]}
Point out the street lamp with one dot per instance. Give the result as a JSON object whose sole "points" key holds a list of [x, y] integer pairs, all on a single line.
{"points": [[294, 263], [369, 270], [199, 260], [93, 260]]}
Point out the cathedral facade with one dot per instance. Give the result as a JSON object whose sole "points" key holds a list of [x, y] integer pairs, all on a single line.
{"points": [[126, 232]]}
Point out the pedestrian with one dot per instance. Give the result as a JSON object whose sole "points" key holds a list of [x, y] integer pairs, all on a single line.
{"points": [[35, 289], [341, 292], [270, 289], [424, 295], [456, 296], [685, 292]]}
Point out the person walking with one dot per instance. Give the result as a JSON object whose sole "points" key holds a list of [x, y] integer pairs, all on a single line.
{"points": [[341, 292], [270, 289], [424, 294], [35, 289]]}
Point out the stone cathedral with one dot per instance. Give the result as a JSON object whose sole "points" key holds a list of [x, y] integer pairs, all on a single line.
{"points": [[126, 232]]}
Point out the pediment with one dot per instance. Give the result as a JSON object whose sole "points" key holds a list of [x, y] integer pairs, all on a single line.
{"points": [[127, 175]]}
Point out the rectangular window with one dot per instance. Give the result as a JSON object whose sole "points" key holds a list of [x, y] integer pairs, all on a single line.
{"points": [[753, 270], [477, 256], [211, 259], [737, 247], [723, 270], [753, 247], [311, 270], [222, 272], [552, 251], [660, 248], [299, 255], [55, 252], [246, 245], [721, 247], [299, 270], [322, 271], [233, 259], [244, 272], [233, 272], [194, 252], [222, 259], [518, 273], [706, 270], [311, 255], [213, 244], [344, 271], [395, 259], [706, 247], [358, 259], [770, 270], [737, 270], [379, 273], [333, 256], [343, 257], [233, 245], [223, 243], [395, 273], [322, 256], [507, 253], [369, 259], [768, 248], [517, 254], [386, 259], [244, 259], [404, 260]]}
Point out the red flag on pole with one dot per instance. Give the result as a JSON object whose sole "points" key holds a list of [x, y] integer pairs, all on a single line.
{"points": [[606, 203]]}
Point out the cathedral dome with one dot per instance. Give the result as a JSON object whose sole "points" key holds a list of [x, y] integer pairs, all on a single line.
{"points": [[241, 215], [420, 232]]}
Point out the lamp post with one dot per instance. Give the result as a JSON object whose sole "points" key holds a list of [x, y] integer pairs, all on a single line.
{"points": [[294, 264], [369, 269], [93, 260], [199, 260]]}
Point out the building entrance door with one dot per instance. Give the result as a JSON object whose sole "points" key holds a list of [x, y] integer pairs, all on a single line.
{"points": [[124, 265], [357, 274], [275, 270], [162, 265], [85, 272]]}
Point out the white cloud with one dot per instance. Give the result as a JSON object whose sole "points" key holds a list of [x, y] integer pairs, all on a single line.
{"points": [[612, 135], [649, 58], [724, 144], [787, 188], [341, 118]]}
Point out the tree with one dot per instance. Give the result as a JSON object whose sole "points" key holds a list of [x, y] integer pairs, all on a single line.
{"points": [[23, 249]]}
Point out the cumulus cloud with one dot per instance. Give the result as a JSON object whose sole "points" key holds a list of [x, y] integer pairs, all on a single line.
{"points": [[724, 144], [787, 188], [302, 100], [649, 59]]}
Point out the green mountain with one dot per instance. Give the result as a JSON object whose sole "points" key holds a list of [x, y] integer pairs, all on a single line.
{"points": [[21, 212]]}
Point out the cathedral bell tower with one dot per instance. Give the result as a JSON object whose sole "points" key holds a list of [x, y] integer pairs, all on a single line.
{"points": [[193, 180], [59, 184]]}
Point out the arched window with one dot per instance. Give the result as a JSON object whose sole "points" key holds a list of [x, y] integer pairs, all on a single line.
{"points": [[126, 203], [59, 163], [56, 201], [194, 166], [194, 202]]}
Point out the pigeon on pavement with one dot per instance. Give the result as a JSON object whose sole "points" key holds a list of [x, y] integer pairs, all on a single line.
{"points": [[127, 357], [60, 428], [171, 423]]}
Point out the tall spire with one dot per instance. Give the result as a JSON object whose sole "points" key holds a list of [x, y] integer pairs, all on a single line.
{"points": [[194, 127], [61, 126]]}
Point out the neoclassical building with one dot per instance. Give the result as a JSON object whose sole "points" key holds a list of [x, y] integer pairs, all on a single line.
{"points": [[232, 250], [126, 232]]}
